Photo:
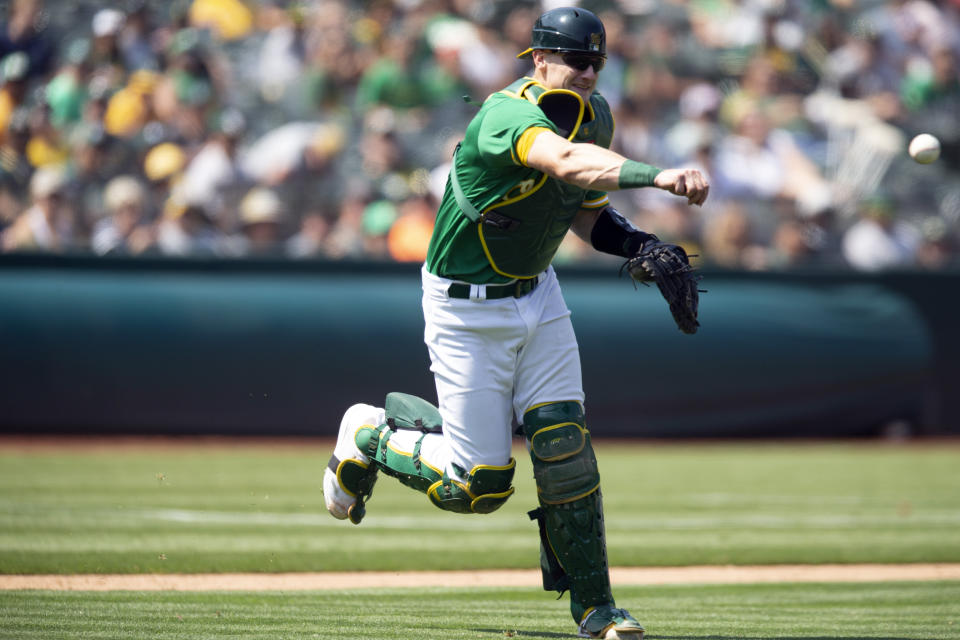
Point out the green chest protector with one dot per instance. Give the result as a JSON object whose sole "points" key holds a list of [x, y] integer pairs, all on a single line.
{"points": [[522, 231]]}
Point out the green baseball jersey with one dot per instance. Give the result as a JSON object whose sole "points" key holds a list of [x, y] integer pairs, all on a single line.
{"points": [[524, 214]]}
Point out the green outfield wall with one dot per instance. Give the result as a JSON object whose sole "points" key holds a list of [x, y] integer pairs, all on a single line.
{"points": [[106, 346]]}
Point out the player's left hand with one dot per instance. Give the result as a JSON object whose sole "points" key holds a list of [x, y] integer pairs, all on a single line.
{"points": [[684, 182], [668, 266]]}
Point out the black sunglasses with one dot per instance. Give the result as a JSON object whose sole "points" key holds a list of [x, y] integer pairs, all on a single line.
{"points": [[580, 61]]}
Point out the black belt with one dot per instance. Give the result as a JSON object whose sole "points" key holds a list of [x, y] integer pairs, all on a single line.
{"points": [[516, 289]]}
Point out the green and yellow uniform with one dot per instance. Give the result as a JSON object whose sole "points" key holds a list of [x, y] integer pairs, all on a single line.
{"points": [[525, 213]]}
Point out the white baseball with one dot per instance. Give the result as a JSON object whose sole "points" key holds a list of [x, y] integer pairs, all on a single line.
{"points": [[924, 148]]}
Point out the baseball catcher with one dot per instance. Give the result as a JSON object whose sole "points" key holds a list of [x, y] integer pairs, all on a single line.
{"points": [[534, 164]]}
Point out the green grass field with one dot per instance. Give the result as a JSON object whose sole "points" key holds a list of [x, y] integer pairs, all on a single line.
{"points": [[248, 508], [243, 509], [890, 611]]}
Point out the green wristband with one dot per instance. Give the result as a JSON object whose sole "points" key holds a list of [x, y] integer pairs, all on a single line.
{"points": [[635, 174]]}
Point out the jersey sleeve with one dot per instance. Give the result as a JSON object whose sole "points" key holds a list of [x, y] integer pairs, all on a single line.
{"points": [[503, 127], [595, 200]]}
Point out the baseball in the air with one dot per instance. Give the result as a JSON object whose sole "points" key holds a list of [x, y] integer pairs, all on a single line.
{"points": [[924, 148]]}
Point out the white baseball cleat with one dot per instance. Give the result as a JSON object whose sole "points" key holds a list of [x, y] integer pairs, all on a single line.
{"points": [[342, 479]]}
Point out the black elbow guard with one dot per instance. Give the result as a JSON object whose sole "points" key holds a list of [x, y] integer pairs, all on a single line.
{"points": [[613, 234]]}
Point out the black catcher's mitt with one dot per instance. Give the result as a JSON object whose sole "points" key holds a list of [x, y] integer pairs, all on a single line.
{"points": [[669, 267]]}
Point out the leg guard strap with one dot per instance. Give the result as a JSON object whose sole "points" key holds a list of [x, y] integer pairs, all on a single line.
{"points": [[407, 467]]}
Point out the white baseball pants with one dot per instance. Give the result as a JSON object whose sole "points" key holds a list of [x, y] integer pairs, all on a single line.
{"points": [[492, 360]]}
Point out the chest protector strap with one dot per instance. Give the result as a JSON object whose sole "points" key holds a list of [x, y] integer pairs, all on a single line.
{"points": [[468, 209]]}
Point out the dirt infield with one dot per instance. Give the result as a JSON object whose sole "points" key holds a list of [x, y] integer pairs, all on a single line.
{"points": [[513, 578]]}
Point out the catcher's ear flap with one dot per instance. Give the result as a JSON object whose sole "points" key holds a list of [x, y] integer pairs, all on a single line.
{"points": [[564, 108]]}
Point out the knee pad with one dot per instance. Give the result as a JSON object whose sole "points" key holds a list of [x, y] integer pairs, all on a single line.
{"points": [[481, 490], [564, 464], [486, 488]]}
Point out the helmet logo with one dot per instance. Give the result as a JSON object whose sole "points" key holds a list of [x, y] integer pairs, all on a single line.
{"points": [[595, 40]]}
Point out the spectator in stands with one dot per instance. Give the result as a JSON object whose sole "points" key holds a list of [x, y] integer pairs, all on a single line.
{"points": [[27, 31], [214, 174], [187, 229], [13, 92], [135, 38], [47, 224], [878, 241], [347, 238], [261, 223], [729, 239], [760, 162], [15, 169], [789, 246], [409, 235], [931, 93], [130, 108], [332, 123], [187, 91], [105, 51], [312, 239], [66, 93], [938, 245], [392, 80], [283, 55], [698, 124], [760, 92], [123, 229], [163, 166]]}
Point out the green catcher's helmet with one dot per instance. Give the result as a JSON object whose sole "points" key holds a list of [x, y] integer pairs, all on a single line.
{"points": [[568, 29]]}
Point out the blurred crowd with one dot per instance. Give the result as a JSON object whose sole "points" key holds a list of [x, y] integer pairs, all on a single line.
{"points": [[324, 128]]}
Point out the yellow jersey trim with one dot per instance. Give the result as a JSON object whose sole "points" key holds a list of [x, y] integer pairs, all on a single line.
{"points": [[526, 141], [596, 204]]}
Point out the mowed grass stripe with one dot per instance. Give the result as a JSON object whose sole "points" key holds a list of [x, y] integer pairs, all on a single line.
{"points": [[875, 611], [227, 509]]}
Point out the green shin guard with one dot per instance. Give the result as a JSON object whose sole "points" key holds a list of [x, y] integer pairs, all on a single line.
{"points": [[573, 551], [480, 490]]}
